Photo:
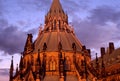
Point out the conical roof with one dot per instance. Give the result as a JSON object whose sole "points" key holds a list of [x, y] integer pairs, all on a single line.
{"points": [[57, 30], [52, 40], [56, 12], [56, 8]]}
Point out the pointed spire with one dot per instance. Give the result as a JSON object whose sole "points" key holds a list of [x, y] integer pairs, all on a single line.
{"points": [[17, 69], [11, 70], [56, 17], [21, 63], [56, 7], [12, 67], [29, 45]]}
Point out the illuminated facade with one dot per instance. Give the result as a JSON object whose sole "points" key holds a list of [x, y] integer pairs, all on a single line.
{"points": [[108, 64], [56, 54]]}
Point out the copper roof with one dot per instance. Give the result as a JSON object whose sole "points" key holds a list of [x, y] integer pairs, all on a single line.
{"points": [[113, 67], [52, 40]]}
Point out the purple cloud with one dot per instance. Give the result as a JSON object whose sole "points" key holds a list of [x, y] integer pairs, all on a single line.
{"points": [[11, 39], [101, 27], [104, 14], [4, 74], [90, 30]]}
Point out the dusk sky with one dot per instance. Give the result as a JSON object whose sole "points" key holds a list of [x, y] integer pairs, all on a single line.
{"points": [[96, 23]]}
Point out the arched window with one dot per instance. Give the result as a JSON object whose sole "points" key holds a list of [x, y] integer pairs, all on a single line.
{"points": [[67, 64], [52, 65]]}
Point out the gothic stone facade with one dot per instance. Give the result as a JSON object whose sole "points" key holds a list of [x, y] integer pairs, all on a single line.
{"points": [[56, 54]]}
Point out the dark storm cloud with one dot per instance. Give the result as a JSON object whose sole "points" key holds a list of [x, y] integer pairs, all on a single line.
{"points": [[90, 31], [11, 39], [103, 14], [95, 32]]}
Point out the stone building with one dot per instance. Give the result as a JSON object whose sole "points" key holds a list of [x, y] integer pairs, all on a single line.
{"points": [[108, 64], [57, 54]]}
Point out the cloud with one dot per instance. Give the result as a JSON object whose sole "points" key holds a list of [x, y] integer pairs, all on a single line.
{"points": [[102, 21], [1, 60], [33, 5], [75, 5], [4, 74], [102, 14], [101, 27], [11, 39]]}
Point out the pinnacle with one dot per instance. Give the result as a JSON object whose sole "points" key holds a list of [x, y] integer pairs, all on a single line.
{"points": [[56, 7]]}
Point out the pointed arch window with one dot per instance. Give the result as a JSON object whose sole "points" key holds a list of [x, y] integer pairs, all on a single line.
{"points": [[67, 64], [52, 65]]}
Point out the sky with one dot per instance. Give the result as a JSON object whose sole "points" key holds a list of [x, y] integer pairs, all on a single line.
{"points": [[95, 22]]}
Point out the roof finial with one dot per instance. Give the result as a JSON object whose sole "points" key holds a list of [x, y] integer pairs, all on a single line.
{"points": [[12, 57]]}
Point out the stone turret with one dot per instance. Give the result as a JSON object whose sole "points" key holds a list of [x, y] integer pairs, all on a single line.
{"points": [[111, 47], [102, 50], [29, 45]]}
